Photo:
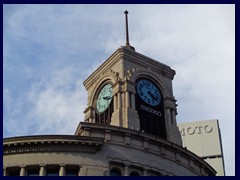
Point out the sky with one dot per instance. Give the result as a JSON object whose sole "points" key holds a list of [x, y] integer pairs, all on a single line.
{"points": [[49, 50]]}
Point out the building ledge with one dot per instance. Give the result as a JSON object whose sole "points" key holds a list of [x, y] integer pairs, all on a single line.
{"points": [[51, 143], [151, 144]]}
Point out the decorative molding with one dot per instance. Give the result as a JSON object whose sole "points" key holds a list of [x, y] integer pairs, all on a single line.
{"points": [[50, 143], [46, 163], [129, 74], [115, 75]]}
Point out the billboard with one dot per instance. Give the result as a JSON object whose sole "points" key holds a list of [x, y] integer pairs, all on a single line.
{"points": [[204, 139]]}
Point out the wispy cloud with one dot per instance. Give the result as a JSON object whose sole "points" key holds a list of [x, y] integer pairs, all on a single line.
{"points": [[53, 105]]}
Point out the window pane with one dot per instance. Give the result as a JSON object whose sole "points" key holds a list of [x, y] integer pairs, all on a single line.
{"points": [[33, 172], [13, 173], [115, 172], [72, 172], [134, 174], [52, 172]]}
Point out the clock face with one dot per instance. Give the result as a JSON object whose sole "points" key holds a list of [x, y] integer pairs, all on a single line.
{"points": [[148, 92], [104, 98]]}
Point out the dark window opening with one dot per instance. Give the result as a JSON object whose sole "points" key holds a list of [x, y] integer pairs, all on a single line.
{"points": [[14, 172], [152, 117], [115, 172], [33, 172], [71, 172], [52, 172], [134, 173]]}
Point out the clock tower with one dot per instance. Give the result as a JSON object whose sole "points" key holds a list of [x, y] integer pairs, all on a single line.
{"points": [[129, 130], [133, 91]]}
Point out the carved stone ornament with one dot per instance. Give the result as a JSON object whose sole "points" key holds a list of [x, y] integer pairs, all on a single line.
{"points": [[129, 74], [115, 75]]}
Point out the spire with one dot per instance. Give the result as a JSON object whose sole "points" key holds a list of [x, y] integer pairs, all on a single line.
{"points": [[127, 35]]}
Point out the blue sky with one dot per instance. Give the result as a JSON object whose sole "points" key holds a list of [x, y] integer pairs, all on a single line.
{"points": [[49, 50]]}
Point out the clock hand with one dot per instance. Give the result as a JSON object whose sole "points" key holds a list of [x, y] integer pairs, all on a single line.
{"points": [[153, 96], [107, 97]]}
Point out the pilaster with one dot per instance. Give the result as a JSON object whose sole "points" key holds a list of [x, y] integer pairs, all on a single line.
{"points": [[62, 170], [117, 117], [23, 171], [43, 170], [131, 119]]}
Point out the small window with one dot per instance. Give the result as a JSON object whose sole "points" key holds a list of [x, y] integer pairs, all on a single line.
{"points": [[33, 172], [115, 172], [13, 171], [134, 173], [52, 172], [71, 172]]}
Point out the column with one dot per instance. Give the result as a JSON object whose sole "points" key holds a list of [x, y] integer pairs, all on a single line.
{"points": [[62, 170], [127, 99], [93, 116], [4, 172], [126, 169], [173, 117], [91, 120], [23, 171], [43, 171], [105, 172], [79, 171], [119, 100], [144, 172], [169, 115], [133, 100], [115, 102]]}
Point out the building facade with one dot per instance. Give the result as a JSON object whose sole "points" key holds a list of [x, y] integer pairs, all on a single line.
{"points": [[129, 129], [204, 139]]}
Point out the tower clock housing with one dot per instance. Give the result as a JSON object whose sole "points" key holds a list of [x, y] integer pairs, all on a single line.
{"points": [[133, 91], [150, 107], [104, 104]]}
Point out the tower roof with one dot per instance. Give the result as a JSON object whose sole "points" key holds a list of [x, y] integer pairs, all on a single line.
{"points": [[127, 54]]}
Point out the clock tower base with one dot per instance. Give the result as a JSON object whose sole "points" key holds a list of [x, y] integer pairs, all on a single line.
{"points": [[116, 119], [132, 119]]}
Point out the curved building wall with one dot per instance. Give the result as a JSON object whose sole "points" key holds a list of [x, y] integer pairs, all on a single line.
{"points": [[100, 150]]}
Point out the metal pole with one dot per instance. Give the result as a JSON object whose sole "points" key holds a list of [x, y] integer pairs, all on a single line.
{"points": [[127, 37]]}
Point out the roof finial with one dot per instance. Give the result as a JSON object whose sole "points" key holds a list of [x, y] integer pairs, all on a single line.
{"points": [[127, 36]]}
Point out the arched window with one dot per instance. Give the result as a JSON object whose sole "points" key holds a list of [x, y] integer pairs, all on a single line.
{"points": [[149, 102], [115, 172], [104, 104], [134, 173]]}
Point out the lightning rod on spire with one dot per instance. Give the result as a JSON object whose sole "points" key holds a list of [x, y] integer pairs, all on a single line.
{"points": [[127, 36]]}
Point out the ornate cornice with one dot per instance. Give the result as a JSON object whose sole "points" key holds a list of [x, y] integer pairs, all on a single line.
{"points": [[51, 143]]}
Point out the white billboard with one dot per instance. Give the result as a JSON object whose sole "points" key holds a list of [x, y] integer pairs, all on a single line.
{"points": [[204, 139]]}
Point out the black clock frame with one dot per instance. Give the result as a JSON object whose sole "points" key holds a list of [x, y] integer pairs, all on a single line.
{"points": [[152, 118]]}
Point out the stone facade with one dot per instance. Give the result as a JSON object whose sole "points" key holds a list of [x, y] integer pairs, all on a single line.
{"points": [[122, 69], [99, 151]]}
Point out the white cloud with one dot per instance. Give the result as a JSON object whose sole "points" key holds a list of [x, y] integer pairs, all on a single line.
{"points": [[58, 102], [56, 105]]}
